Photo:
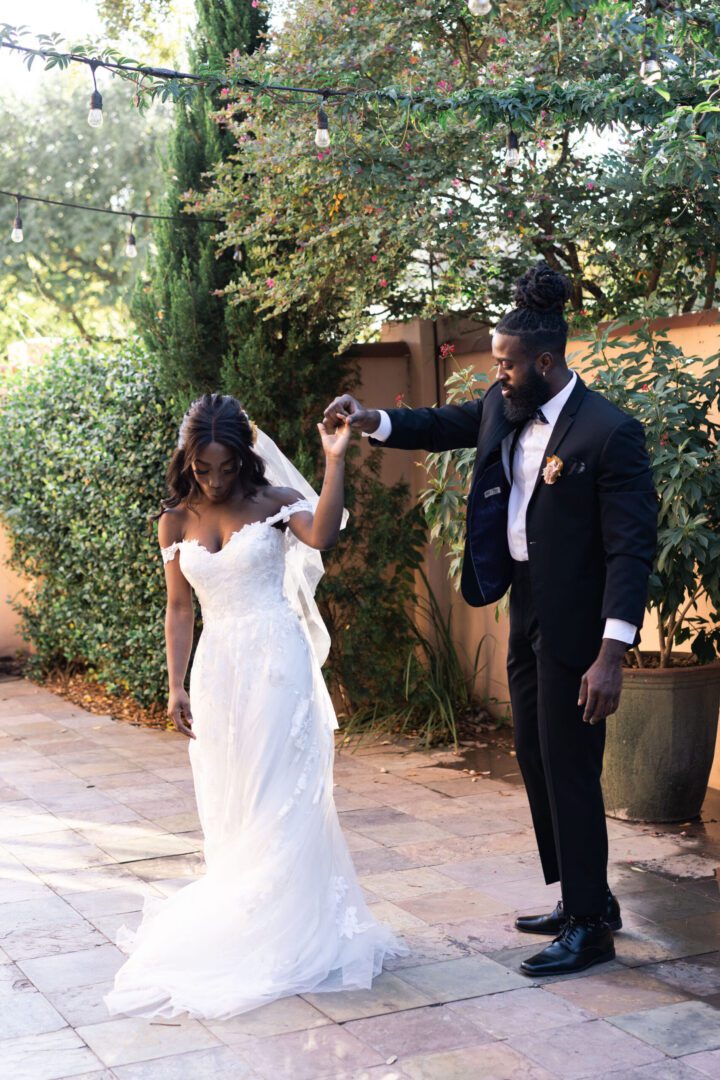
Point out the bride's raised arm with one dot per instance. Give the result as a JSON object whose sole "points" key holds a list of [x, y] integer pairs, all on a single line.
{"points": [[320, 529]]}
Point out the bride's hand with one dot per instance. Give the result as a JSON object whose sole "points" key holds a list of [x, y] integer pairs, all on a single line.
{"points": [[179, 712], [335, 442]]}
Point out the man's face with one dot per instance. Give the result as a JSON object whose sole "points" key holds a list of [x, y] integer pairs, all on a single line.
{"points": [[524, 389]]}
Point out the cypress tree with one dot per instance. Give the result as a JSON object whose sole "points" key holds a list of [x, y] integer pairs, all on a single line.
{"points": [[179, 316]]}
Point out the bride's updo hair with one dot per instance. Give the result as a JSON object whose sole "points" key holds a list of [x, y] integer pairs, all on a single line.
{"points": [[537, 319], [212, 418]]}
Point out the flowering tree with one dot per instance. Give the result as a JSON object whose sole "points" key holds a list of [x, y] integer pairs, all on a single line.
{"points": [[413, 207]]}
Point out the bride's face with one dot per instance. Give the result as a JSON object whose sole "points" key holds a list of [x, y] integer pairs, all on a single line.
{"points": [[215, 471]]}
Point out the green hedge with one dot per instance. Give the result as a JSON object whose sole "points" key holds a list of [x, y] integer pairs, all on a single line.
{"points": [[85, 442]]}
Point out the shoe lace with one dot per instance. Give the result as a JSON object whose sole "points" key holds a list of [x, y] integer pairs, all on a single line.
{"points": [[570, 931]]}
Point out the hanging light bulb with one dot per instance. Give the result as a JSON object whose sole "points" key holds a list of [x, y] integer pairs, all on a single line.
{"points": [[131, 249], [95, 116], [650, 70], [512, 154], [17, 233], [322, 135], [479, 7]]}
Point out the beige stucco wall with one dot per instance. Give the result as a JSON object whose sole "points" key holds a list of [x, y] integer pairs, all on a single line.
{"points": [[10, 586]]}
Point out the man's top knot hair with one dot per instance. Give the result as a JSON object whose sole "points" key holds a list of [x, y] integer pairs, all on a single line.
{"points": [[537, 319], [542, 289]]}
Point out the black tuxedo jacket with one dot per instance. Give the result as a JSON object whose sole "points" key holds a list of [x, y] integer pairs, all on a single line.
{"points": [[591, 535]]}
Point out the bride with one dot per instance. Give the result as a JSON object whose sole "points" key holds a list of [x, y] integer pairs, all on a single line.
{"points": [[278, 910]]}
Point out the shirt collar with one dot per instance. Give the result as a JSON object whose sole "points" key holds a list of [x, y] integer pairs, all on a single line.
{"points": [[554, 405]]}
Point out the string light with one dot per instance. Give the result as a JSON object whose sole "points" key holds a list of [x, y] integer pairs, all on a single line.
{"points": [[95, 116], [512, 154], [479, 7], [131, 249], [650, 70], [17, 233], [322, 135]]}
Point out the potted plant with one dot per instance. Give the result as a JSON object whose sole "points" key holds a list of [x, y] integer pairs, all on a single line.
{"points": [[660, 743]]}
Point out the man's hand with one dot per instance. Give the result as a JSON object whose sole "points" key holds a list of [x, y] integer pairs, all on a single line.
{"points": [[601, 684], [347, 409]]}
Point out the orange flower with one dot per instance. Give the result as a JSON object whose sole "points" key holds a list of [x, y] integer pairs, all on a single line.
{"points": [[553, 469]]}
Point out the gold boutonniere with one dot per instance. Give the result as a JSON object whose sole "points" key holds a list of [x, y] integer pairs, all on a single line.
{"points": [[553, 469]]}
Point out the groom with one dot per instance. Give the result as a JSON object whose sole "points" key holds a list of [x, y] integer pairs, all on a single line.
{"points": [[563, 509]]}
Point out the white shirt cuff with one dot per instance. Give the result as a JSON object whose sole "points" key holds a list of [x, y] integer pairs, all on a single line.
{"points": [[383, 430], [620, 631]]}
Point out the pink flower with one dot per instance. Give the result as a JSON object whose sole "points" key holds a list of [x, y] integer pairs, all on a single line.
{"points": [[644, 388], [456, 63], [383, 282], [270, 282], [373, 258], [590, 185], [541, 143], [447, 350], [444, 85], [224, 92], [510, 213], [255, 3], [353, 10], [664, 439], [502, 41], [456, 182], [399, 399]]}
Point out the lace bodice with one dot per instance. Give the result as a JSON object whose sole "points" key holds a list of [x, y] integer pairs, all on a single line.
{"points": [[245, 575]]}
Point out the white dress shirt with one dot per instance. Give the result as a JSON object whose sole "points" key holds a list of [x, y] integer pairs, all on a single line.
{"points": [[527, 461]]}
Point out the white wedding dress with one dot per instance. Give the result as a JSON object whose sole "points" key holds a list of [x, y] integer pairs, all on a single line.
{"points": [[278, 910]]}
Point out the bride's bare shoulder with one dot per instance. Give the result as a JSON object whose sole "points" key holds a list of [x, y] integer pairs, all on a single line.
{"points": [[171, 525], [283, 496]]}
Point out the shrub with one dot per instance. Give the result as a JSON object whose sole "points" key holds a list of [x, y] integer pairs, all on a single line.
{"points": [[86, 438]]}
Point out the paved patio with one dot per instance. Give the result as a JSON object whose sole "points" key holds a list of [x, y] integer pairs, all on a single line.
{"points": [[96, 814]]}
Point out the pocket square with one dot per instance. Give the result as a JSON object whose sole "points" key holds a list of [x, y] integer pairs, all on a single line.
{"points": [[575, 467]]}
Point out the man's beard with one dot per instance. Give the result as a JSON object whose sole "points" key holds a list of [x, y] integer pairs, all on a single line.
{"points": [[525, 399]]}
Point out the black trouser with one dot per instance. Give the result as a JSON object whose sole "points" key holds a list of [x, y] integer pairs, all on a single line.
{"points": [[560, 758]]}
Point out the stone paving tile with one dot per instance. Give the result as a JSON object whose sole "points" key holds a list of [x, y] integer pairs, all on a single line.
{"points": [[616, 992], [389, 993], [23, 1009], [218, 1063], [491, 1061], [397, 885], [457, 904], [416, 1031], [110, 901], [707, 1064], [126, 1040], [667, 1069], [329, 1051], [405, 832], [55, 974], [686, 1028], [699, 975], [48, 1056], [429, 945], [466, 977], [490, 934], [589, 1049], [277, 1018], [516, 1012]]}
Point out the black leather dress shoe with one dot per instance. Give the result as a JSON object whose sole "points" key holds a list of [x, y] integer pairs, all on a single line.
{"points": [[553, 923], [579, 946]]}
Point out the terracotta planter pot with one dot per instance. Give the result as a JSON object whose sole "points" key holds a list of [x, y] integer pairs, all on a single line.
{"points": [[661, 742]]}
